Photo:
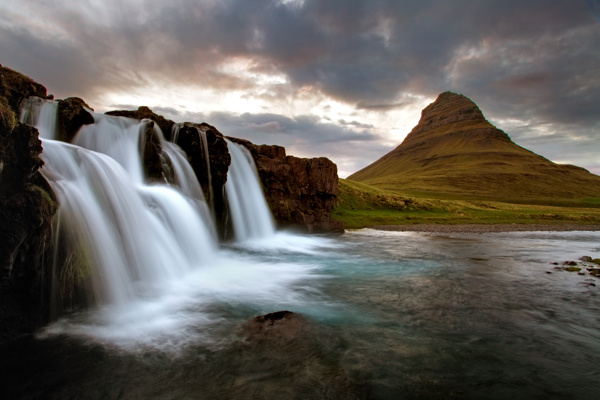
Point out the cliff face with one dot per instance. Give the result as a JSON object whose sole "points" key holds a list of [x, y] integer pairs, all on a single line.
{"points": [[454, 149], [301, 192], [191, 137], [27, 206]]}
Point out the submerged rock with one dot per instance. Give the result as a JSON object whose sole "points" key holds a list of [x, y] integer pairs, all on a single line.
{"points": [[280, 325]]}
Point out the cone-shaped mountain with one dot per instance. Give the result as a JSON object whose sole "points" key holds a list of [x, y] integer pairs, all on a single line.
{"points": [[454, 149]]}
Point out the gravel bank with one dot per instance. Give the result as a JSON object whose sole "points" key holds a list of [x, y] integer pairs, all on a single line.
{"points": [[486, 228]]}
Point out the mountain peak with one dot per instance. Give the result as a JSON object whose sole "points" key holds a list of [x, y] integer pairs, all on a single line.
{"points": [[452, 109], [454, 149]]}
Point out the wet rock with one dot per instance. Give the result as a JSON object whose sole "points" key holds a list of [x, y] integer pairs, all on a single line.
{"points": [[586, 258], [594, 271], [595, 260], [301, 192], [548, 272], [190, 137], [572, 269], [278, 326], [72, 115], [570, 263], [27, 205]]}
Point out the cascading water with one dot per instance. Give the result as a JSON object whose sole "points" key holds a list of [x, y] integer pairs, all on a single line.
{"points": [[137, 236], [41, 113], [248, 208], [149, 252]]}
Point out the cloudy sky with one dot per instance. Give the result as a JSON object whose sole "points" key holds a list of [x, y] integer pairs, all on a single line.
{"points": [[346, 79]]}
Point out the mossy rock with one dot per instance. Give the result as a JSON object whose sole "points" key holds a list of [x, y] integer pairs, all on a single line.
{"points": [[572, 269], [8, 119], [596, 260]]}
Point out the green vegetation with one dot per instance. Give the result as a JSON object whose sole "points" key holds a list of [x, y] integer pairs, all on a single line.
{"points": [[8, 119], [361, 205]]}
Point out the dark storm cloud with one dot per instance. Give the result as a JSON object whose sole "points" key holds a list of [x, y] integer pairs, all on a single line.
{"points": [[537, 60]]}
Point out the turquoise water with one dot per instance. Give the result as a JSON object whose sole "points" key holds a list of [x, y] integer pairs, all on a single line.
{"points": [[387, 315]]}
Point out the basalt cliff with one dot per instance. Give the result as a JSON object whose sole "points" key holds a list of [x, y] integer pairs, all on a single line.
{"points": [[454, 149]]}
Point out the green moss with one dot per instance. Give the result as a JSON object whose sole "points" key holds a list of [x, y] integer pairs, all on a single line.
{"points": [[8, 119], [572, 269]]}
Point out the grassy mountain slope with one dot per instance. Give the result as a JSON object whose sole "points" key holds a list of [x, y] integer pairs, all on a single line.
{"points": [[360, 205], [455, 150]]}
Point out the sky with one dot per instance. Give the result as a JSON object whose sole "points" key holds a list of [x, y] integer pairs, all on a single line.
{"points": [[344, 79]]}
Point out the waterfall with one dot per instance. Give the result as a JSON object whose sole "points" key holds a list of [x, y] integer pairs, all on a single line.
{"points": [[135, 236], [249, 211], [41, 113]]}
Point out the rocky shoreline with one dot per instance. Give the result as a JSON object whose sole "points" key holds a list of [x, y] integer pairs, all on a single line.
{"points": [[485, 228]]}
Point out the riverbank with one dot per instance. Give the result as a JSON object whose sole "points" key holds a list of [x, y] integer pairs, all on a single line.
{"points": [[486, 228]]}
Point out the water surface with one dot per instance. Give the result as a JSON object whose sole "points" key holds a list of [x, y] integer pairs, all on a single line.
{"points": [[388, 315]]}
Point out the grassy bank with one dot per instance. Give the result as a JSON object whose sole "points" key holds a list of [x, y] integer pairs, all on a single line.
{"points": [[361, 205]]}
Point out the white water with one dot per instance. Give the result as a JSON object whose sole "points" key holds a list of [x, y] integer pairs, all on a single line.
{"points": [[155, 263], [248, 208], [41, 113]]}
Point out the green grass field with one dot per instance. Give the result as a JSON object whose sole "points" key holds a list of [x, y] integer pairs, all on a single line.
{"points": [[360, 205]]}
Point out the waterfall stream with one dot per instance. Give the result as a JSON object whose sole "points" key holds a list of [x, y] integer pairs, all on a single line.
{"points": [[250, 214], [149, 252]]}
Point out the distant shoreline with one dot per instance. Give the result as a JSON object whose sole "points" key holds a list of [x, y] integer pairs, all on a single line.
{"points": [[485, 228]]}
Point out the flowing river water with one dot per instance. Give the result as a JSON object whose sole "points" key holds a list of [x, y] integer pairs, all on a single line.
{"points": [[387, 315]]}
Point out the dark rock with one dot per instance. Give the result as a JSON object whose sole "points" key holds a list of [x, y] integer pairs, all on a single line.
{"points": [[154, 160], [570, 263], [27, 205], [548, 272], [190, 137], [277, 326], [144, 112], [8, 119], [16, 87], [72, 115], [572, 269], [586, 258], [301, 192]]}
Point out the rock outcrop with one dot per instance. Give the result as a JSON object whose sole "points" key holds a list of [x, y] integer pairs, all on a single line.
{"points": [[27, 205], [192, 138], [454, 149], [16, 88], [301, 192], [72, 115]]}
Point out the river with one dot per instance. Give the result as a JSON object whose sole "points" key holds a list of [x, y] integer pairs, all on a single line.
{"points": [[385, 315]]}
